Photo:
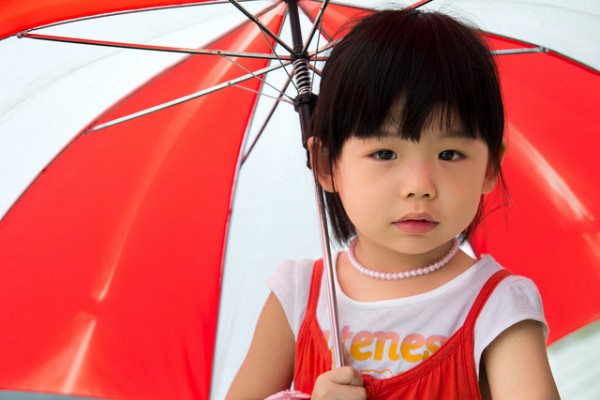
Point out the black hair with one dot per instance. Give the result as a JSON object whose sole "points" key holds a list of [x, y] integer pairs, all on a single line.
{"points": [[429, 63]]}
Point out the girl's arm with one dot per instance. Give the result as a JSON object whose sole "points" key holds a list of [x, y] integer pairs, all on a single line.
{"points": [[269, 364], [516, 364]]}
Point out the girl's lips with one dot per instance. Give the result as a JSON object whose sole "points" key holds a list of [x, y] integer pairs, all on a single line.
{"points": [[416, 223], [415, 226]]}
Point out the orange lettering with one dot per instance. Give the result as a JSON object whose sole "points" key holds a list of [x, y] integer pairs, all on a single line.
{"points": [[434, 342], [412, 342], [380, 339], [360, 341], [346, 334]]}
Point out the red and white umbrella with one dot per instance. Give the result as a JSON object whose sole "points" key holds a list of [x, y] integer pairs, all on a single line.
{"points": [[111, 260]]}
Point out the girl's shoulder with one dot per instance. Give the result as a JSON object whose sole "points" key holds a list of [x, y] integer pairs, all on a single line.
{"points": [[291, 283], [300, 269], [513, 286], [514, 291], [515, 299]]}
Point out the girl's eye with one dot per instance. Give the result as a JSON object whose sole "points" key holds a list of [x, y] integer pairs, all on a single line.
{"points": [[384, 155], [450, 155]]}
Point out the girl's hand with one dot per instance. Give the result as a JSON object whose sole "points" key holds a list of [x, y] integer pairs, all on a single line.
{"points": [[343, 383]]}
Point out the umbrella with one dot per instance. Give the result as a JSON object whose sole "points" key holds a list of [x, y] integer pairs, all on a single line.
{"points": [[127, 279]]}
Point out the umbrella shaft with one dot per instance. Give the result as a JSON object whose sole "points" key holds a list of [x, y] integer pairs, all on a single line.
{"points": [[303, 104], [336, 344]]}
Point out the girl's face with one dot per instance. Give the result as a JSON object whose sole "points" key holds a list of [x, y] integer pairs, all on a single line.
{"points": [[412, 197]]}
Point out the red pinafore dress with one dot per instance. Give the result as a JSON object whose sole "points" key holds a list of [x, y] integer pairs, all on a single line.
{"points": [[450, 373]]}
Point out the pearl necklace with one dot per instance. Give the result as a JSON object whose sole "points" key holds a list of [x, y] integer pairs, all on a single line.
{"points": [[393, 276]]}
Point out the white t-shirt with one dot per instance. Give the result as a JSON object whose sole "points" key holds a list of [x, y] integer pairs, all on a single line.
{"points": [[386, 338]]}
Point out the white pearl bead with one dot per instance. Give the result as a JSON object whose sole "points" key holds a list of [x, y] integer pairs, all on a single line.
{"points": [[400, 275]]}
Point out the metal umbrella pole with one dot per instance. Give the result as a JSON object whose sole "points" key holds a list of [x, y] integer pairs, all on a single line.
{"points": [[303, 104]]}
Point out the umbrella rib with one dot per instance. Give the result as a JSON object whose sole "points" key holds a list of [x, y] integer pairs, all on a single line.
{"points": [[267, 119], [266, 34], [240, 66], [133, 11], [278, 98], [182, 99], [280, 62], [273, 50], [537, 49], [261, 26], [318, 22], [315, 70], [316, 25], [314, 55], [136, 46]]}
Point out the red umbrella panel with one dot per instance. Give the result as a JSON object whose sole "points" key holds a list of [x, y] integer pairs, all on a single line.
{"points": [[550, 229], [134, 302], [111, 261]]}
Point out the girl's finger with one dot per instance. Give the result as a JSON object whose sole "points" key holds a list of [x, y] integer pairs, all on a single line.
{"points": [[343, 383], [346, 392], [346, 376]]}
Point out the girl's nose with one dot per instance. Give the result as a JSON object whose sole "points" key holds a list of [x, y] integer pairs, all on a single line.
{"points": [[417, 182]]}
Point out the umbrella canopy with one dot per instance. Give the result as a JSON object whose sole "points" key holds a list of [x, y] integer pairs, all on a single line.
{"points": [[163, 212], [111, 261]]}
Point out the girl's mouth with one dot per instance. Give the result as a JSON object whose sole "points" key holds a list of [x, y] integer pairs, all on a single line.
{"points": [[416, 223]]}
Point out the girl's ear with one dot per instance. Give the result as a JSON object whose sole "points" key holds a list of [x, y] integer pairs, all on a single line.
{"points": [[491, 174], [320, 163]]}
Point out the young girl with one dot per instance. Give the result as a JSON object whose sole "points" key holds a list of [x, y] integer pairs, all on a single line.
{"points": [[409, 137]]}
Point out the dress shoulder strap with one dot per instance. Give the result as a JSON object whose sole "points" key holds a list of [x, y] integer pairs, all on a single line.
{"points": [[315, 287], [483, 296]]}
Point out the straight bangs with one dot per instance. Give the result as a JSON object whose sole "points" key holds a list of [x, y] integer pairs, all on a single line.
{"points": [[408, 70]]}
